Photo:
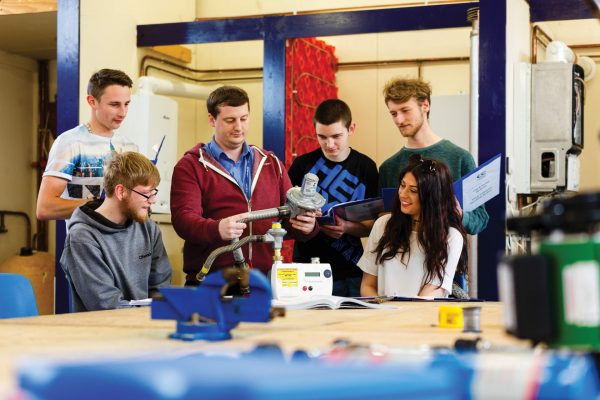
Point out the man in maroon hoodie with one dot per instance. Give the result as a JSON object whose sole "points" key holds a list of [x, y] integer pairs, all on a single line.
{"points": [[216, 184]]}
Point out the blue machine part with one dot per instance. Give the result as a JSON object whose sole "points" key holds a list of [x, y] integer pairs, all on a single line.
{"points": [[243, 379], [203, 314], [445, 375], [564, 377]]}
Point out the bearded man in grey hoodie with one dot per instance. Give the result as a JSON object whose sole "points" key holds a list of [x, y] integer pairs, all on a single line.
{"points": [[114, 253]]}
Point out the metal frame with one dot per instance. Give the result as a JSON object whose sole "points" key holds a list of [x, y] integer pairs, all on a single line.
{"points": [[67, 110], [275, 30], [560, 10], [492, 137]]}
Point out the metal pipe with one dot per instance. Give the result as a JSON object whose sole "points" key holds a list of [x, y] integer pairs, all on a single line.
{"points": [[43, 131], [153, 85], [385, 63], [224, 249], [192, 70], [27, 220], [473, 17], [221, 79], [534, 39], [585, 46], [144, 68], [347, 65], [238, 255], [277, 212]]}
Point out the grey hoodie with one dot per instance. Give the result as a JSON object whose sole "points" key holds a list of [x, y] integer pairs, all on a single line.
{"points": [[109, 264]]}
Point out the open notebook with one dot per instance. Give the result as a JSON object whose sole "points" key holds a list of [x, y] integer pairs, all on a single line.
{"points": [[326, 303]]}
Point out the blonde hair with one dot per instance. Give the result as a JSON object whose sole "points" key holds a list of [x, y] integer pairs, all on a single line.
{"points": [[129, 169], [401, 90]]}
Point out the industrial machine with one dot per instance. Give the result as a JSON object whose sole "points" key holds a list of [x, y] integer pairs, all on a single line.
{"points": [[237, 293], [548, 124], [552, 294], [557, 96]]}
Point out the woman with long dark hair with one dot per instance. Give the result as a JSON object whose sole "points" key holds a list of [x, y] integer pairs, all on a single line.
{"points": [[417, 249]]}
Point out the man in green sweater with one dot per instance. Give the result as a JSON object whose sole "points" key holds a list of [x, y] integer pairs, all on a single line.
{"points": [[409, 101]]}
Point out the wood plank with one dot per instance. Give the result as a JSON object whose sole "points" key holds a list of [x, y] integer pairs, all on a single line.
{"points": [[8, 7], [177, 52]]}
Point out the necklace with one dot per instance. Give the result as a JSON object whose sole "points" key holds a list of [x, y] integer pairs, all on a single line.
{"points": [[89, 129]]}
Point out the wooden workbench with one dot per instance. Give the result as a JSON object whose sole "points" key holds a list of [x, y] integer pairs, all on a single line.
{"points": [[131, 333]]}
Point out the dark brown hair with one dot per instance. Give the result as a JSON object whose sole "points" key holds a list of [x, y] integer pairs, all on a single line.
{"points": [[438, 215], [232, 96], [106, 77], [331, 111]]}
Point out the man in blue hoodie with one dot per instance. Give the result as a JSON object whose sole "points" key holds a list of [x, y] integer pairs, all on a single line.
{"points": [[114, 253]]}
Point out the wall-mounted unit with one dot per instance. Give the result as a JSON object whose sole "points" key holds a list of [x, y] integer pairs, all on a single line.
{"points": [[548, 126], [556, 126]]}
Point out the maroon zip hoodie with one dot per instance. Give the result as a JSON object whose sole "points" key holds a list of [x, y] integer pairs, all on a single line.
{"points": [[203, 192]]}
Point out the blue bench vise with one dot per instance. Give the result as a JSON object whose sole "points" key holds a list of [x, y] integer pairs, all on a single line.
{"points": [[207, 312]]}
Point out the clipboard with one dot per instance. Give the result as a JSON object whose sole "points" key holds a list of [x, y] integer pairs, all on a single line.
{"points": [[480, 185]]}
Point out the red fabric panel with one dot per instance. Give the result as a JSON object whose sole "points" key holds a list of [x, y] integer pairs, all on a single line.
{"points": [[310, 78], [311, 65]]}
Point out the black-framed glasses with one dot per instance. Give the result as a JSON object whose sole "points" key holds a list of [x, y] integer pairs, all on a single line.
{"points": [[146, 196], [427, 163]]}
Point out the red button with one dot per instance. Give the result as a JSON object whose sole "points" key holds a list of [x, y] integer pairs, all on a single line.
{"points": [[304, 288]]}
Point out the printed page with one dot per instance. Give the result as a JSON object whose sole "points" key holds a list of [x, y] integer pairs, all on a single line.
{"points": [[141, 302], [479, 185]]}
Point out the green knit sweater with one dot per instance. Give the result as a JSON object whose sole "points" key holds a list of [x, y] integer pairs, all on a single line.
{"points": [[459, 161]]}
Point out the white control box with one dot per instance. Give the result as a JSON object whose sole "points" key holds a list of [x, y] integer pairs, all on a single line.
{"points": [[301, 280]]}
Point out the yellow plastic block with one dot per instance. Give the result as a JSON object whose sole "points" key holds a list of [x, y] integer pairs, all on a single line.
{"points": [[451, 317]]}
